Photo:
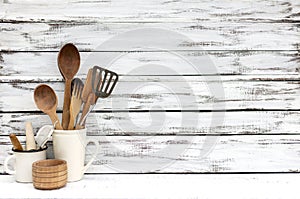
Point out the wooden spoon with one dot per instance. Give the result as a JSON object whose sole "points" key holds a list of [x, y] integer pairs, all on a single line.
{"points": [[68, 62], [46, 100], [16, 143]]}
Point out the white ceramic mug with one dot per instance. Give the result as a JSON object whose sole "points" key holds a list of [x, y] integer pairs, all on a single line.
{"points": [[23, 163], [70, 145]]}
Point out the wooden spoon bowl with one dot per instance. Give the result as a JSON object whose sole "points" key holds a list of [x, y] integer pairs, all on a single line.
{"points": [[46, 100], [68, 61]]}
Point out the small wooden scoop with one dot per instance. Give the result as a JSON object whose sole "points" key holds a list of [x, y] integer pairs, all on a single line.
{"points": [[15, 142], [46, 100]]}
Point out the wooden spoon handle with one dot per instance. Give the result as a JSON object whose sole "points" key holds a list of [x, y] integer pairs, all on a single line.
{"points": [[16, 143], [66, 106], [71, 122], [55, 121]]}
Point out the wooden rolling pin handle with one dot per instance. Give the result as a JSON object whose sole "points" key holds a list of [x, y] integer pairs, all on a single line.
{"points": [[15, 142]]}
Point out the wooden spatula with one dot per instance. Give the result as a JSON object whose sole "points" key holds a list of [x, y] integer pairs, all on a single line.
{"points": [[103, 83], [87, 90]]}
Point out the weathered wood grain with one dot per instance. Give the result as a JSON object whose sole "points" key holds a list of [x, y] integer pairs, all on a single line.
{"points": [[200, 63], [233, 186], [150, 11], [174, 93], [201, 154], [256, 43], [150, 36], [174, 123]]}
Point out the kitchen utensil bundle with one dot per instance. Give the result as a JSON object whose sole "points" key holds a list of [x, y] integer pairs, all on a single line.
{"points": [[100, 82], [69, 137], [32, 143]]}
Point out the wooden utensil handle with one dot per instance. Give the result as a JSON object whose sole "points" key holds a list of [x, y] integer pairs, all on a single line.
{"points": [[78, 127], [71, 122], [30, 141], [15, 142], [66, 106], [55, 121], [86, 108]]}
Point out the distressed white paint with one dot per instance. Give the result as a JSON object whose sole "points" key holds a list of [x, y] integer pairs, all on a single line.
{"points": [[236, 153], [177, 36], [174, 93], [16, 65], [268, 80], [134, 123], [152, 10]]}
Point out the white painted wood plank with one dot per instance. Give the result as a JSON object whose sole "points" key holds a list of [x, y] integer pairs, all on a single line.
{"points": [[173, 93], [201, 154], [203, 63], [235, 186], [153, 10], [150, 36], [174, 123]]}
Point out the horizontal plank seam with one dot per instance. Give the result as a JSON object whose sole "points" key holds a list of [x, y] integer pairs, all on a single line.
{"points": [[200, 75], [191, 173], [158, 51], [179, 135], [255, 79], [201, 173], [146, 111], [89, 20]]}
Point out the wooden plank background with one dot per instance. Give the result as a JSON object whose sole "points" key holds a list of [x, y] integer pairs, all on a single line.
{"points": [[254, 45]]}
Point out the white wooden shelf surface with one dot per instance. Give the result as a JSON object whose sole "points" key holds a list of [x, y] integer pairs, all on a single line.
{"points": [[234, 186]]}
